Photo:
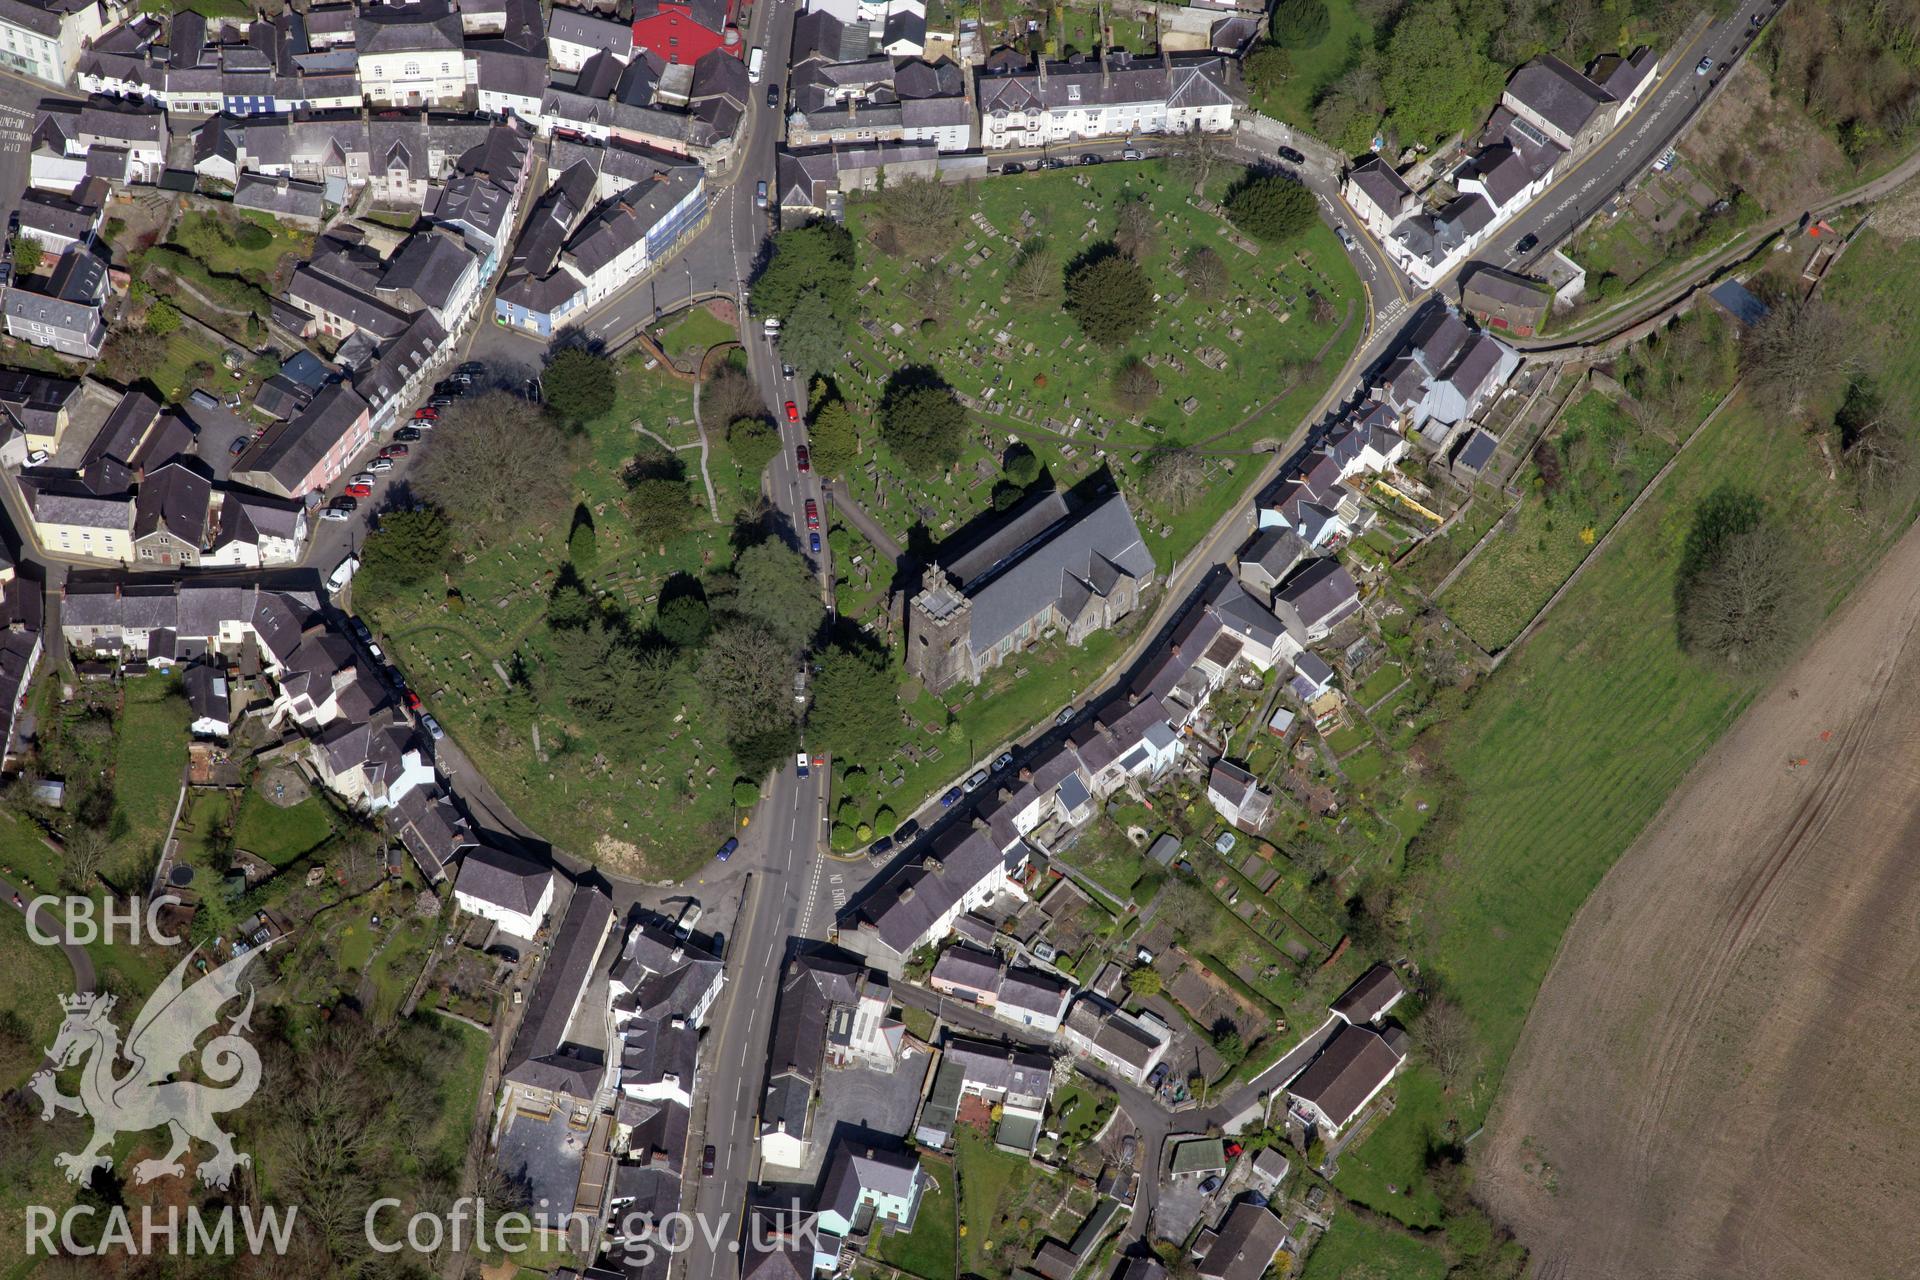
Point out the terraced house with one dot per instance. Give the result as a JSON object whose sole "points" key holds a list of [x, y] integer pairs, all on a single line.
{"points": [[1115, 95]]}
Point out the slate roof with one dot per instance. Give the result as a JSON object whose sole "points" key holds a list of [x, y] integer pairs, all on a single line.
{"points": [[998, 1068], [861, 1168], [431, 828], [1102, 1023], [1381, 183], [968, 967], [576, 943], [1319, 592], [1245, 1244], [56, 215], [1348, 1068], [1557, 93], [424, 26], [173, 497], [904, 904], [56, 500], [595, 31], [289, 450], [1371, 994], [504, 879], [282, 197], [1088, 552]]}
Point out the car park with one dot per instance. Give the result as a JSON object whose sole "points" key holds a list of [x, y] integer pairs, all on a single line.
{"points": [[906, 831], [793, 412], [800, 764], [813, 514], [801, 459], [432, 727], [950, 799], [726, 850], [405, 434], [976, 781], [1291, 156], [813, 541]]}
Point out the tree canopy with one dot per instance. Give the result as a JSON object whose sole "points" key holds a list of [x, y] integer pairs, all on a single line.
{"points": [[1109, 296], [1271, 207], [832, 436], [817, 257], [774, 588], [494, 465], [922, 422], [407, 549], [578, 385], [855, 714]]}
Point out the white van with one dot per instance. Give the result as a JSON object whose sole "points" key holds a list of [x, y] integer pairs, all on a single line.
{"points": [[755, 61], [343, 573]]}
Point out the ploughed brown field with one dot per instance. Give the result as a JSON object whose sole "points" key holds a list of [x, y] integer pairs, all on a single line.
{"points": [[1721, 1075]]}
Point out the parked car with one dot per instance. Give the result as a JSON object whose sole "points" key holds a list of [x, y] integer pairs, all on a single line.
{"points": [[706, 1162], [358, 491], [977, 780], [408, 434], [1346, 236], [950, 799], [793, 412], [472, 367], [377, 653], [1705, 65], [394, 451], [1013, 166], [1291, 156], [432, 727], [906, 831], [336, 513], [412, 698], [760, 195], [1006, 758], [1051, 163], [800, 764], [440, 402], [425, 413], [1526, 243], [345, 503], [1128, 1146], [881, 847], [1066, 714], [813, 541], [1091, 158], [361, 631], [1133, 153], [1157, 1077], [39, 456], [237, 448], [726, 851], [1210, 1186], [365, 477], [379, 465], [813, 514], [786, 370], [773, 96]]}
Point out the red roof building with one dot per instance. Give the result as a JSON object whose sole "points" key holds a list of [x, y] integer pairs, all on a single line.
{"points": [[684, 31]]}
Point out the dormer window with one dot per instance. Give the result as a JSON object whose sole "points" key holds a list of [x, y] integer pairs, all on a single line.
{"points": [[1073, 93]]}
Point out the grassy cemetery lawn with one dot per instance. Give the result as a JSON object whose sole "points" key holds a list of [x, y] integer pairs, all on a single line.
{"points": [[1233, 371]]}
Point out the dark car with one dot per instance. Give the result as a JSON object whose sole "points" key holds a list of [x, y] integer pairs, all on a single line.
{"points": [[952, 797], [813, 542], [881, 847], [239, 446], [1291, 156], [706, 1162], [406, 435], [906, 831], [773, 95], [1013, 166], [726, 851], [1091, 158], [1527, 243]]}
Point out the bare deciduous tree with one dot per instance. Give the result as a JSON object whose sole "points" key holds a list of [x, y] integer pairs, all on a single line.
{"points": [[1747, 605], [1446, 1037], [1795, 357], [1134, 386], [1206, 273], [1175, 480], [86, 849], [1137, 231], [496, 464], [1197, 157], [921, 213], [1035, 277]]}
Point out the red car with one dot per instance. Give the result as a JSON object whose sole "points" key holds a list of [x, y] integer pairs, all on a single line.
{"points": [[793, 412], [413, 700], [358, 491], [800, 457], [427, 413], [394, 451], [813, 515]]}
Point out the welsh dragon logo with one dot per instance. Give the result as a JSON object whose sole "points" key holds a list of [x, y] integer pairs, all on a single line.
{"points": [[144, 1096]]}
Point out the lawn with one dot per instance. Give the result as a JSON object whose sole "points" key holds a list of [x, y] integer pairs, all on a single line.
{"points": [[926, 1251], [1319, 65], [688, 338], [36, 976], [1231, 372], [655, 811], [1356, 1250], [1568, 753], [998, 1194], [1380, 683], [1105, 855], [460, 1094], [150, 759], [1599, 461], [1394, 1155], [281, 836], [210, 237], [186, 350]]}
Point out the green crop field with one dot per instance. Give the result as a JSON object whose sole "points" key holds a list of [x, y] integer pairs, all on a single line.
{"points": [[1574, 746], [1232, 372]]}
